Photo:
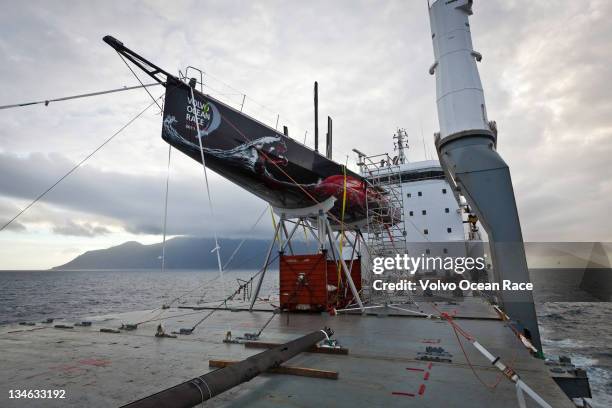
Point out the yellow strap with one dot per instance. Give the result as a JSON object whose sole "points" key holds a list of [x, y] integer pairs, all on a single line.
{"points": [[342, 229], [276, 237]]}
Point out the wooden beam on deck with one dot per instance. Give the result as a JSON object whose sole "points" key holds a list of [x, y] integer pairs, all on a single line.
{"points": [[289, 370]]}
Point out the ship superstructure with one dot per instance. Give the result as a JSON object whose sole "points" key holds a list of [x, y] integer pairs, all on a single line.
{"points": [[436, 220]]}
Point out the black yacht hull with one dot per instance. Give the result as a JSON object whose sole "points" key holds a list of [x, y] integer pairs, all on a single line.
{"points": [[259, 159]]}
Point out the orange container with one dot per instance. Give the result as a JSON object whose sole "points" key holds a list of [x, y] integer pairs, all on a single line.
{"points": [[310, 283]]}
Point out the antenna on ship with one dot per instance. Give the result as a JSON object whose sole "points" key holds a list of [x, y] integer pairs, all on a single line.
{"points": [[400, 143], [316, 116]]}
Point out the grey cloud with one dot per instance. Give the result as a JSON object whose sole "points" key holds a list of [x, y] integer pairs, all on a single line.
{"points": [[6, 209], [134, 202], [15, 226], [547, 86], [80, 230], [545, 71]]}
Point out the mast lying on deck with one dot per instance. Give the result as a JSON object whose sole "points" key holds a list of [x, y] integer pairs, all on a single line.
{"points": [[466, 147], [205, 387]]}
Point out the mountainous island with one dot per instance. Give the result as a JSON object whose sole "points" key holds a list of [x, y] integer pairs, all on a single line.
{"points": [[181, 253]]}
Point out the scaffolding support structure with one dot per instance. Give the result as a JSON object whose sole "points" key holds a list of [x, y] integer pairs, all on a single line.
{"points": [[313, 219]]}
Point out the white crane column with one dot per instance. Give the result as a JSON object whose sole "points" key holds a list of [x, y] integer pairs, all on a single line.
{"points": [[466, 146]]}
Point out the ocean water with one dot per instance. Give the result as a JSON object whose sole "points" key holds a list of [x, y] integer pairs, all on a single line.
{"points": [[37, 295], [580, 330]]}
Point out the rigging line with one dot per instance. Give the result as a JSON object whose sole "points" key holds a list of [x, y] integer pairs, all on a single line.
{"points": [[459, 330], [267, 108], [211, 280], [231, 258], [211, 312], [210, 205], [489, 386], [224, 301], [279, 168], [163, 262], [206, 282], [86, 95], [418, 230], [75, 167], [237, 267], [161, 312], [163, 255], [130, 68], [171, 317], [220, 92], [266, 324], [240, 93], [217, 307], [224, 83]]}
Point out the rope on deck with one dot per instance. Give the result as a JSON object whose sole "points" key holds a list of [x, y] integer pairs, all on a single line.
{"points": [[506, 370]]}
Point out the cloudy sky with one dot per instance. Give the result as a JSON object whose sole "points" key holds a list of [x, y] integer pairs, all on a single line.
{"points": [[547, 74]]}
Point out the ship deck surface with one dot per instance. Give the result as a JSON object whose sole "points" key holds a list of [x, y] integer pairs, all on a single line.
{"points": [[105, 369]]}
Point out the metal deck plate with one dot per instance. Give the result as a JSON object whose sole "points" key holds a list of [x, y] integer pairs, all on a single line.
{"points": [[104, 369]]}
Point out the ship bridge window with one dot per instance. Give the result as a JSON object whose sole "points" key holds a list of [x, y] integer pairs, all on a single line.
{"points": [[427, 251], [443, 191], [424, 212], [425, 231], [449, 230], [409, 195], [446, 210], [411, 213], [420, 194], [444, 250], [422, 175]]}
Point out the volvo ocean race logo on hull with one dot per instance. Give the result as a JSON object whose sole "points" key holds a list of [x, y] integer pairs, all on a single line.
{"points": [[207, 115]]}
